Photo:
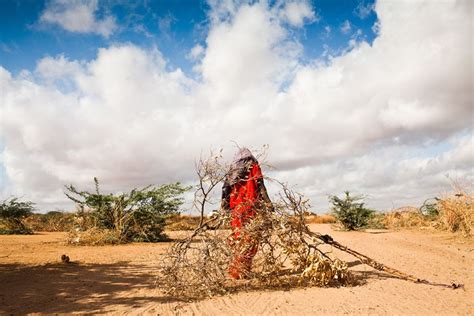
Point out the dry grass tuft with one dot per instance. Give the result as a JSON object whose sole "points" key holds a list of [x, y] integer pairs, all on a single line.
{"points": [[405, 219], [93, 237], [54, 221], [320, 219], [456, 211], [181, 222]]}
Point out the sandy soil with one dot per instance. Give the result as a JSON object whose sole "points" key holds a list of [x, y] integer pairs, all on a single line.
{"points": [[121, 279]]}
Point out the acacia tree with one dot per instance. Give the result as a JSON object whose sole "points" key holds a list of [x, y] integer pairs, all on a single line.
{"points": [[350, 211], [12, 214], [135, 216]]}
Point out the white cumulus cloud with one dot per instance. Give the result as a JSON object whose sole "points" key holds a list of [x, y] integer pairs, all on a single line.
{"points": [[388, 119], [78, 16], [296, 13]]}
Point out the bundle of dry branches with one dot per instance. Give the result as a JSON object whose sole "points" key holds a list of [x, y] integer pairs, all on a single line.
{"points": [[288, 255]]}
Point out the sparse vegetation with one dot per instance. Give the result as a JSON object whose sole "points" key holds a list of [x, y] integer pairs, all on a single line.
{"points": [[452, 212], [406, 217], [456, 211], [182, 222], [12, 215], [135, 216], [53, 221], [377, 221], [350, 211], [320, 219]]}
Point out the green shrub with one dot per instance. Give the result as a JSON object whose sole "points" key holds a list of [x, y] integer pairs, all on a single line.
{"points": [[135, 216], [350, 211], [12, 215]]}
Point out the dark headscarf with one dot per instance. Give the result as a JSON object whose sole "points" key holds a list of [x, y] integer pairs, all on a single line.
{"points": [[239, 169], [240, 166]]}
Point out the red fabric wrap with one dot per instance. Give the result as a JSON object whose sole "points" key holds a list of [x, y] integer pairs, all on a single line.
{"points": [[244, 194]]}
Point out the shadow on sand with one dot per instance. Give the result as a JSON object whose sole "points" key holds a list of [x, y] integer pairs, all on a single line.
{"points": [[96, 288], [67, 288]]}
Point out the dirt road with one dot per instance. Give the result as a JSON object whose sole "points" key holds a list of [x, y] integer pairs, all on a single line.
{"points": [[121, 279]]}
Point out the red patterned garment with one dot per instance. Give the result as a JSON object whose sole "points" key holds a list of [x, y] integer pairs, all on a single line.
{"points": [[243, 196]]}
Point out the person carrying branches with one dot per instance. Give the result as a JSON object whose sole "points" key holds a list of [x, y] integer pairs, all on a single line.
{"points": [[243, 194]]}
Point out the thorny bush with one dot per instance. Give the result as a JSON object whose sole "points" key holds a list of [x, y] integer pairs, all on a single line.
{"points": [[12, 215], [118, 218]]}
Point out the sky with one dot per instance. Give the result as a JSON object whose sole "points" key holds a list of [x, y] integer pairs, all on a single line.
{"points": [[371, 97]]}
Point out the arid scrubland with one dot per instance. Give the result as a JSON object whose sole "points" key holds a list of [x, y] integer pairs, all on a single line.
{"points": [[296, 250]]}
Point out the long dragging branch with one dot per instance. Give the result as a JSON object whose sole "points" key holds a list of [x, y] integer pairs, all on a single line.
{"points": [[377, 265]]}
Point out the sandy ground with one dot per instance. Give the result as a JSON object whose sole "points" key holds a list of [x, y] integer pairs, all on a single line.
{"points": [[121, 279]]}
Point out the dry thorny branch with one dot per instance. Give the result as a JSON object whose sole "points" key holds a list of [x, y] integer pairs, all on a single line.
{"points": [[210, 172], [288, 255]]}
